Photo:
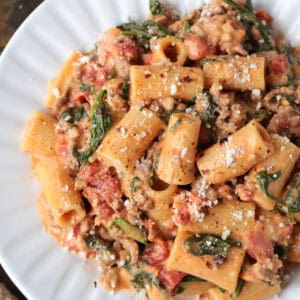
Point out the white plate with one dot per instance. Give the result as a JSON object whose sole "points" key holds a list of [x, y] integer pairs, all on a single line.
{"points": [[39, 267]]}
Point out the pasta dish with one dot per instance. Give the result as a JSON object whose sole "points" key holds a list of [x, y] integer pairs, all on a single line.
{"points": [[169, 154]]}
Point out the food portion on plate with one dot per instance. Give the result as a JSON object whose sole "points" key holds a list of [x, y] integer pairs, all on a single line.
{"points": [[169, 154]]}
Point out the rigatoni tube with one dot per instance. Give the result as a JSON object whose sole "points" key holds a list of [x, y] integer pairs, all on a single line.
{"points": [[64, 202], [128, 140], [159, 82], [228, 159], [283, 160], [177, 157]]}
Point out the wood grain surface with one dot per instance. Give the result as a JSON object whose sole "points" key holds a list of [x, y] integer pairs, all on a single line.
{"points": [[12, 14]]}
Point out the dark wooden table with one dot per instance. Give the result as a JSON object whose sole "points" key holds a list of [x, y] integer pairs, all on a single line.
{"points": [[12, 14]]}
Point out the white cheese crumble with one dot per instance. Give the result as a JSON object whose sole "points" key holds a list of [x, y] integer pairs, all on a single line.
{"points": [[65, 188], [173, 89], [124, 149], [230, 156], [281, 225], [250, 213], [225, 234], [238, 215], [258, 106], [183, 152], [256, 93], [84, 59], [56, 92]]}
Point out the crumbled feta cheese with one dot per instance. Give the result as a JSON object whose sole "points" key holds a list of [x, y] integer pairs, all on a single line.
{"points": [[256, 93], [65, 188], [281, 225], [250, 213], [124, 149], [56, 92], [238, 215], [84, 59], [258, 106], [230, 156], [278, 97], [183, 152], [173, 89], [225, 234]]}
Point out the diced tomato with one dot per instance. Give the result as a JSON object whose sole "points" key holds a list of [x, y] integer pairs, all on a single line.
{"points": [[264, 16], [280, 65], [94, 73], [127, 48], [258, 244], [182, 216], [170, 278], [156, 252], [78, 97], [100, 183], [196, 46]]}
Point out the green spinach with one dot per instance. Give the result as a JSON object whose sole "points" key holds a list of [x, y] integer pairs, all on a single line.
{"points": [[100, 123], [238, 288], [292, 195], [73, 114], [156, 8], [102, 247], [248, 15], [143, 278], [264, 180], [206, 244], [143, 32]]}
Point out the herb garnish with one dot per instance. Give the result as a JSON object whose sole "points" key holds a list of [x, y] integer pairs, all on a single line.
{"points": [[264, 180], [156, 8], [238, 288], [248, 15], [73, 114], [100, 124], [206, 244], [143, 32]]}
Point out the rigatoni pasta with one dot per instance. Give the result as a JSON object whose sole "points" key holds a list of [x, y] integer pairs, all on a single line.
{"points": [[283, 160], [39, 136], [235, 73], [154, 82], [177, 156], [236, 155], [170, 154], [64, 202], [129, 139]]}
